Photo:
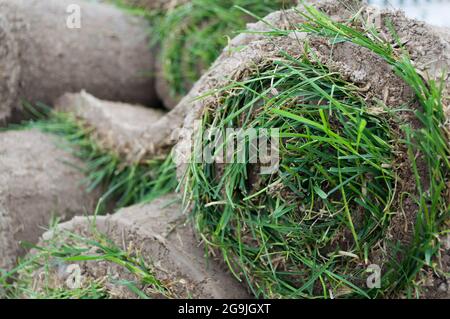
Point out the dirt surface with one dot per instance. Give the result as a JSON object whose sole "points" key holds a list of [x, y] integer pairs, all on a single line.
{"points": [[108, 56], [287, 19], [159, 233], [117, 127], [163, 89], [36, 184], [371, 74], [428, 46], [10, 70]]}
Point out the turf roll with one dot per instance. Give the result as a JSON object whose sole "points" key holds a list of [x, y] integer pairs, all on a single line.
{"points": [[361, 190]]}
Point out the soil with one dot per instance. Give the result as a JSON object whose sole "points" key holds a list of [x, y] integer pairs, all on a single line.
{"points": [[165, 93], [9, 77], [36, 185], [117, 127]]}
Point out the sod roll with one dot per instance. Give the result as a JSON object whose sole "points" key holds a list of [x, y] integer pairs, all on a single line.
{"points": [[45, 53], [363, 154], [147, 246]]}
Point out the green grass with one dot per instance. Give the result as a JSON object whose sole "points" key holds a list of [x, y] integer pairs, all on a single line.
{"points": [[428, 144], [311, 230], [125, 184], [192, 35], [34, 277], [136, 10]]}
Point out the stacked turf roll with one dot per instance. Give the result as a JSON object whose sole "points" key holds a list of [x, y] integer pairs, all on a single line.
{"points": [[191, 36], [142, 251], [107, 56], [356, 205]]}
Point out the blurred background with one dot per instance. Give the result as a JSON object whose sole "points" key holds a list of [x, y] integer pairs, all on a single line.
{"points": [[436, 12]]}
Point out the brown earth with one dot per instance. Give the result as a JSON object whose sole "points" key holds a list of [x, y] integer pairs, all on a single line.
{"points": [[36, 185], [116, 127]]}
